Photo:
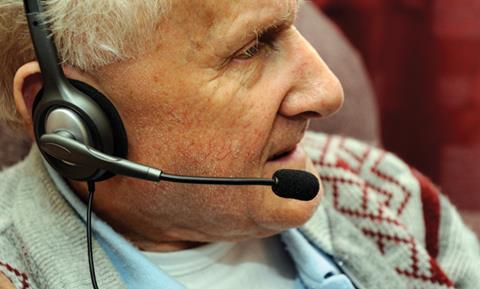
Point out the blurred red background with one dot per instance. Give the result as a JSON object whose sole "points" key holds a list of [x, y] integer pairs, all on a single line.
{"points": [[424, 60]]}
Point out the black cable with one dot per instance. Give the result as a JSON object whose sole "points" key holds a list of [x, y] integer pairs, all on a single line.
{"points": [[91, 191]]}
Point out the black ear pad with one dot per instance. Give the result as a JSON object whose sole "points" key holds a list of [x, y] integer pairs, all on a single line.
{"points": [[118, 130], [120, 141], [109, 137]]}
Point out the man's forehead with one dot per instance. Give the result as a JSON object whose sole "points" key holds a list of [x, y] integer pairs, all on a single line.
{"points": [[236, 8], [250, 17], [222, 17]]}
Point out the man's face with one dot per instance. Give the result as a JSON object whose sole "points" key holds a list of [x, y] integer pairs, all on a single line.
{"points": [[229, 87]]}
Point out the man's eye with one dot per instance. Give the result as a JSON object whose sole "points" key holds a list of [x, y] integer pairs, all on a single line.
{"points": [[250, 51], [256, 47]]}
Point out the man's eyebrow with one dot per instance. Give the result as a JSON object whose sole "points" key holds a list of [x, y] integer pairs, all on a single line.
{"points": [[284, 20], [253, 23], [271, 23]]}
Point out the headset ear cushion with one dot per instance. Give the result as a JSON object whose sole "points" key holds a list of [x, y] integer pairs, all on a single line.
{"points": [[115, 139], [120, 140]]}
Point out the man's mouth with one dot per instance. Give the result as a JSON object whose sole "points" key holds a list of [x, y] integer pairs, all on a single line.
{"points": [[289, 151]]}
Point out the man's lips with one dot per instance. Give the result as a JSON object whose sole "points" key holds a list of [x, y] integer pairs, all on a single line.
{"points": [[289, 146], [283, 154]]}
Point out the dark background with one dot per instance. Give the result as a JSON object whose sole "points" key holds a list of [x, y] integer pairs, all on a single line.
{"points": [[423, 58]]}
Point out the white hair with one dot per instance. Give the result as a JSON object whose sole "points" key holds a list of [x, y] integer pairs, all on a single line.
{"points": [[88, 34]]}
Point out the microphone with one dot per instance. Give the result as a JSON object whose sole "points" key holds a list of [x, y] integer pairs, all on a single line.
{"points": [[286, 183], [295, 184]]}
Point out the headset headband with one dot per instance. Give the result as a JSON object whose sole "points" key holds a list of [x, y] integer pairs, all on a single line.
{"points": [[45, 49]]}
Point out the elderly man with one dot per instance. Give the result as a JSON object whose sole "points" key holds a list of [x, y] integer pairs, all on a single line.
{"points": [[217, 88]]}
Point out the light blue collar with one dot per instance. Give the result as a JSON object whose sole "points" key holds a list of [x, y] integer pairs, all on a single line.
{"points": [[133, 267]]}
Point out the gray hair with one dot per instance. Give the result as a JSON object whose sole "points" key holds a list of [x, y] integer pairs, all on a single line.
{"points": [[88, 34]]}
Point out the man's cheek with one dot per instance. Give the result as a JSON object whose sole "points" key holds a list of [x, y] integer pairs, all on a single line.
{"points": [[233, 155]]}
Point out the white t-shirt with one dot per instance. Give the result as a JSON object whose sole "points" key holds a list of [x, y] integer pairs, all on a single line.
{"points": [[253, 264]]}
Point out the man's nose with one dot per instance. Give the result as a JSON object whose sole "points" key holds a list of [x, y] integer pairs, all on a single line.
{"points": [[316, 91]]}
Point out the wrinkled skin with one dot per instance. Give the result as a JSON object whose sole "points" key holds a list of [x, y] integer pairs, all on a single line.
{"points": [[205, 101]]}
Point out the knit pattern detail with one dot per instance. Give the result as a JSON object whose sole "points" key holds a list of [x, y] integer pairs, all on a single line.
{"points": [[379, 194], [19, 279], [431, 213]]}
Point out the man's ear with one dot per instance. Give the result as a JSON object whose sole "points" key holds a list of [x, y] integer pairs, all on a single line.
{"points": [[26, 85]]}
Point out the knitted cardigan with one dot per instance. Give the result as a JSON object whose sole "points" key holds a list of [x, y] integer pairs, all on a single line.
{"points": [[385, 225]]}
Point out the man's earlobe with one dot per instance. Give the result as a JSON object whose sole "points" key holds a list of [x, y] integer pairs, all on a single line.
{"points": [[26, 85], [31, 87]]}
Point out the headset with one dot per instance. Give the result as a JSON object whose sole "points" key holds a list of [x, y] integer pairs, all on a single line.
{"points": [[74, 110], [71, 108], [81, 134]]}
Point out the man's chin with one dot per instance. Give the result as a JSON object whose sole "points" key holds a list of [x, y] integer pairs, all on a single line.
{"points": [[287, 213], [279, 213]]}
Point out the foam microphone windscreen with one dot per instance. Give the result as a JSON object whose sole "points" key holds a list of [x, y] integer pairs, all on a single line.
{"points": [[295, 184]]}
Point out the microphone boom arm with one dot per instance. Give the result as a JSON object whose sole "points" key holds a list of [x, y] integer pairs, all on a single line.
{"points": [[218, 181], [67, 149]]}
